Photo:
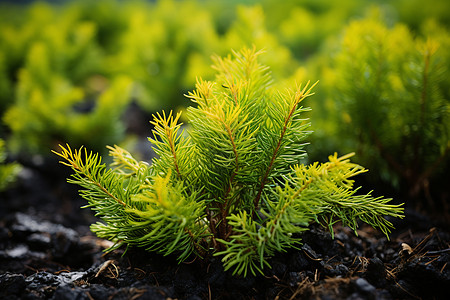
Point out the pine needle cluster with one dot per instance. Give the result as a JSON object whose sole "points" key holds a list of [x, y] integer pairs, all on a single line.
{"points": [[232, 184]]}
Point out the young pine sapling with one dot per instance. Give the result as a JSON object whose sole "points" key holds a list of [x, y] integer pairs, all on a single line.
{"points": [[232, 184]]}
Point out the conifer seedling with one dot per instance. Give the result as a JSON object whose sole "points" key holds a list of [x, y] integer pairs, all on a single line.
{"points": [[232, 184]]}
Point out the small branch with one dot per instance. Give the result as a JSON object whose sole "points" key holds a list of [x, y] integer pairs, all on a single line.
{"points": [[108, 193], [272, 161], [224, 228], [299, 96], [236, 161], [390, 159], [422, 111], [166, 128], [430, 170], [74, 160], [169, 132]]}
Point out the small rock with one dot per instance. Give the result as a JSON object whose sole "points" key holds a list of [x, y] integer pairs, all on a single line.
{"points": [[364, 286], [401, 289], [294, 278], [376, 272], [70, 277], [309, 251], [99, 291], [195, 297], [65, 292], [298, 262], [38, 240], [341, 270], [278, 268], [186, 280], [11, 285], [216, 276], [27, 224], [18, 251], [42, 280]]}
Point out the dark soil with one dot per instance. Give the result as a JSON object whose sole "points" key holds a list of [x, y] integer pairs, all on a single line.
{"points": [[48, 252]]}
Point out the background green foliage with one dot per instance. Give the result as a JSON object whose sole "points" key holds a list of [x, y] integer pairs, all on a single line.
{"points": [[388, 97], [69, 72], [8, 171]]}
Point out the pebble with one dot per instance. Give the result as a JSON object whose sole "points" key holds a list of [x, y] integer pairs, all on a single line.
{"points": [[11, 284], [364, 286]]}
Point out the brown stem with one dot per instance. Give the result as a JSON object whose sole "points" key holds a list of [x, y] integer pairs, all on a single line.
{"points": [[419, 182], [272, 160], [423, 99], [172, 149], [298, 97], [219, 223], [389, 158], [430, 170]]}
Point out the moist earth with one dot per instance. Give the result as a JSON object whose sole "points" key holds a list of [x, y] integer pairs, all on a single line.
{"points": [[48, 252]]}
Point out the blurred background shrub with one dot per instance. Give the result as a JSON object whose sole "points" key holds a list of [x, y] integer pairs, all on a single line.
{"points": [[385, 95], [8, 170], [88, 71]]}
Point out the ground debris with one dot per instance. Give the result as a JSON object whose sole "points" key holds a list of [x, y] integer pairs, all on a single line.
{"points": [[43, 260]]}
